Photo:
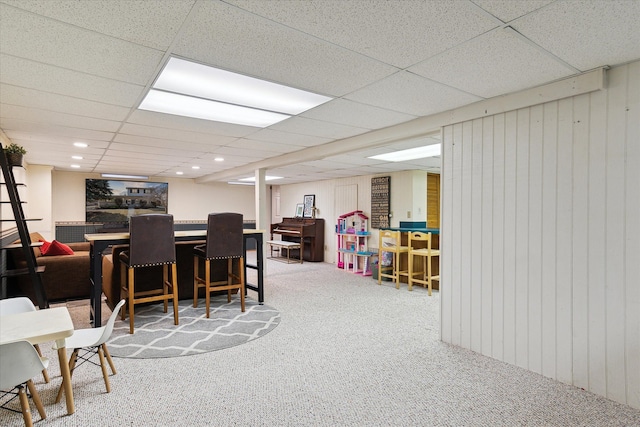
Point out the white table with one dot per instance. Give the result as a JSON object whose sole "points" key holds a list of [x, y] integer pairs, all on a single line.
{"points": [[49, 324]]}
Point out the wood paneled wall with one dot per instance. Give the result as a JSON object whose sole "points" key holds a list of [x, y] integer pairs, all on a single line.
{"points": [[433, 200], [540, 237]]}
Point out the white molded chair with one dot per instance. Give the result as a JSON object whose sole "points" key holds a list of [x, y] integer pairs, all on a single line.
{"points": [[19, 362], [92, 341], [21, 305]]}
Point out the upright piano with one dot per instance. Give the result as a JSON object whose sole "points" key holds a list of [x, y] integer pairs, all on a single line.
{"points": [[308, 231]]}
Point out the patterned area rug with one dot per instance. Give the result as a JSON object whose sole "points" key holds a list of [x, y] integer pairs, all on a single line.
{"points": [[156, 336]]}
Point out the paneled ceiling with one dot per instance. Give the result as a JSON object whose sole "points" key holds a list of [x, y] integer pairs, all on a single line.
{"points": [[76, 71]]}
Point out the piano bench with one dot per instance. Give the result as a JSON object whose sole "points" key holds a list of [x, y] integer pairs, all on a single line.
{"points": [[280, 246]]}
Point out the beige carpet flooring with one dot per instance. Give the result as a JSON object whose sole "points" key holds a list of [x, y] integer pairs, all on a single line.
{"points": [[346, 353]]}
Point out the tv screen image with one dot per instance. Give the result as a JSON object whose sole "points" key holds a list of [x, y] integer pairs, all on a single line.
{"points": [[117, 201]]}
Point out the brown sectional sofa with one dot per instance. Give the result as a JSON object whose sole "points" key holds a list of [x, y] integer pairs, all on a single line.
{"points": [[66, 277]]}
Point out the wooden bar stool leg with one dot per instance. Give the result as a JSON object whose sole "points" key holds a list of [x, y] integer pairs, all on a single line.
{"points": [[207, 281], [165, 287], [131, 285], [174, 289], [410, 279], [229, 277], [196, 265], [242, 280]]}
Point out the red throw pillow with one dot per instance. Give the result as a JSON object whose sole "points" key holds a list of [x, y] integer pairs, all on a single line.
{"points": [[56, 248], [45, 246]]}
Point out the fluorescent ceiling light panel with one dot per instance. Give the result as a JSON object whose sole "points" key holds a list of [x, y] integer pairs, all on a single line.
{"points": [[119, 176], [182, 105], [240, 183], [194, 90], [266, 178], [410, 154], [202, 81]]}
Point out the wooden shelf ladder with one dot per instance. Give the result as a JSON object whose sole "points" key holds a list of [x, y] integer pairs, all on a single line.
{"points": [[32, 269]]}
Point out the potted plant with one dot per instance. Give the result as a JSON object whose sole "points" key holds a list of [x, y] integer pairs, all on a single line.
{"points": [[14, 153]]}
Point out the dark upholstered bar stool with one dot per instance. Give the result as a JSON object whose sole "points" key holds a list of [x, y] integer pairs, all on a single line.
{"points": [[151, 243], [224, 242]]}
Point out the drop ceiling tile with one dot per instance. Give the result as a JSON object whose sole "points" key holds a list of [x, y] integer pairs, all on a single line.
{"points": [[60, 159], [272, 147], [326, 164], [274, 52], [165, 143], [152, 23], [412, 94], [494, 64], [175, 135], [170, 121], [42, 128], [289, 171], [157, 153], [352, 159], [34, 75], [126, 166], [272, 135], [65, 104], [346, 112], [60, 140], [305, 126], [229, 159], [509, 10], [238, 153], [125, 158], [398, 33], [586, 34], [54, 118], [68, 46]]}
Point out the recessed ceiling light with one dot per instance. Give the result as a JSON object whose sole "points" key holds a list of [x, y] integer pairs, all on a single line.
{"points": [[195, 167], [75, 166], [194, 90], [179, 173], [77, 157], [219, 159], [410, 154], [266, 178], [81, 144]]}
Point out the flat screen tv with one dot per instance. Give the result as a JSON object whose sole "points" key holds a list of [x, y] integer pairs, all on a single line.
{"points": [[113, 201]]}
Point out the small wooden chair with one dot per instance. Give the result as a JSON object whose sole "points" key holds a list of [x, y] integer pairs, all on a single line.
{"points": [[390, 241], [151, 243], [224, 242], [425, 251]]}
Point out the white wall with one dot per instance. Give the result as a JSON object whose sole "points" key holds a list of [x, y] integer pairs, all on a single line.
{"points": [[403, 200], [39, 206], [188, 201], [541, 237]]}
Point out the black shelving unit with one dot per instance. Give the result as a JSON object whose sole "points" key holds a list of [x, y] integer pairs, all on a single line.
{"points": [[33, 270]]}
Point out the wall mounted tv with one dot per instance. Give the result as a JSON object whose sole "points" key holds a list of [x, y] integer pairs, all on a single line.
{"points": [[110, 201]]}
